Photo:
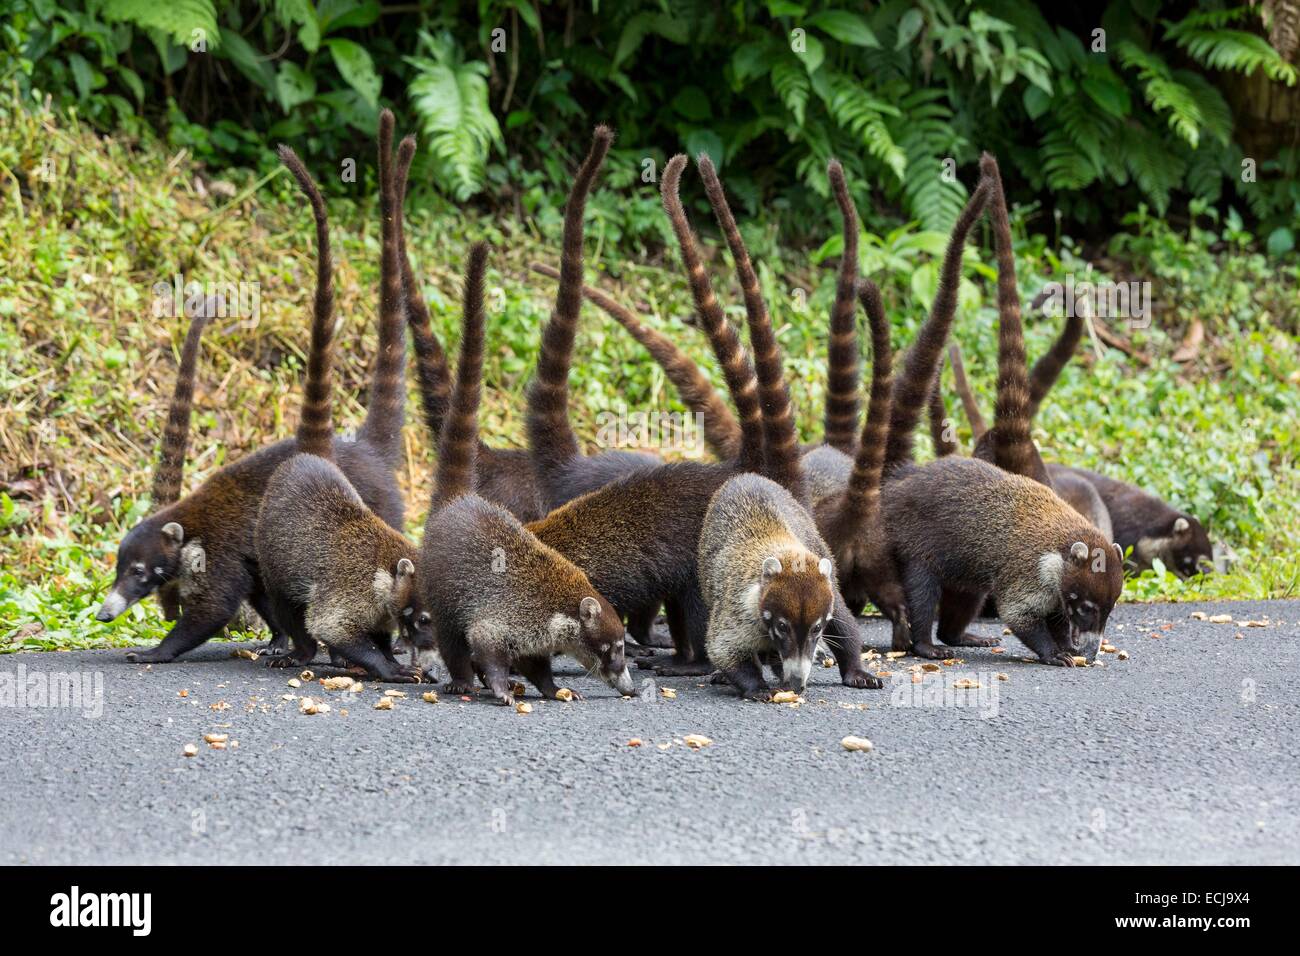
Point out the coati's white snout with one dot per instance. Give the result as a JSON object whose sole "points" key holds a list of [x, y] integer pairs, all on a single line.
{"points": [[112, 607]]}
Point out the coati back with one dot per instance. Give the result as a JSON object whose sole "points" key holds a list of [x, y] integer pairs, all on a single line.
{"points": [[629, 536], [1151, 527], [200, 547], [501, 597], [768, 581], [961, 529], [561, 470], [721, 430], [332, 570], [842, 373]]}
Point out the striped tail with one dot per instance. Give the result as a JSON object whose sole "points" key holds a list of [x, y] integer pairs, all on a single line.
{"points": [[721, 430], [458, 449], [431, 369], [386, 405], [780, 439], [943, 444], [316, 426], [176, 435], [968, 401], [1051, 363], [862, 497], [1013, 448], [912, 389], [737, 371], [842, 372], [551, 440]]}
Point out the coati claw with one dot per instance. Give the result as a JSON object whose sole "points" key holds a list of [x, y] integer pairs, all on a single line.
{"points": [[150, 656], [974, 640], [1059, 659], [862, 680], [932, 651]]}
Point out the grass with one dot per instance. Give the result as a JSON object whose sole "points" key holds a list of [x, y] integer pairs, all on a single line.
{"points": [[87, 369]]}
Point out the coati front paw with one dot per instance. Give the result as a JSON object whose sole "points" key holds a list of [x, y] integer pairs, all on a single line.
{"points": [[862, 680], [151, 656], [761, 693], [278, 646], [932, 651], [973, 640], [1059, 659]]}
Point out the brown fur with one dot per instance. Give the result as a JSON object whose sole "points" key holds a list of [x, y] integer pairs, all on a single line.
{"points": [[176, 435], [842, 372], [457, 448]]}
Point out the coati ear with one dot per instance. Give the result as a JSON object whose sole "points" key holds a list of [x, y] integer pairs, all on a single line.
{"points": [[1181, 525], [405, 568], [1079, 552], [173, 531], [825, 567], [771, 568], [588, 610], [1119, 552]]}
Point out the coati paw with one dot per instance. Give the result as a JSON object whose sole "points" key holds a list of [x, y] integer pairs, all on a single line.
{"points": [[285, 660], [151, 656], [278, 646], [1059, 659], [932, 651], [973, 640], [692, 669], [862, 680], [762, 694], [717, 677], [637, 650], [460, 687]]}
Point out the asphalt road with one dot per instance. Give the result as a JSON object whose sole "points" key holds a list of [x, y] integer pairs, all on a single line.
{"points": [[1186, 752]]}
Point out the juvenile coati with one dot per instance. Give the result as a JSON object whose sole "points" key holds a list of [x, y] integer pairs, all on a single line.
{"points": [[721, 431], [637, 538], [332, 570], [218, 518], [502, 599], [562, 471], [768, 581]]}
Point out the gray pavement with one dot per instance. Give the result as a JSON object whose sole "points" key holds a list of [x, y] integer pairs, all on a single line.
{"points": [[1186, 752]]}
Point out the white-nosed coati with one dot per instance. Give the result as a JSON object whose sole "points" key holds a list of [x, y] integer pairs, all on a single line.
{"points": [[333, 571], [637, 538], [721, 431], [561, 470], [768, 581], [219, 517], [502, 599]]}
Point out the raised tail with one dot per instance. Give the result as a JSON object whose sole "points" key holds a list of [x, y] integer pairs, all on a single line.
{"points": [[721, 430], [944, 443], [862, 496], [1013, 448], [1051, 363], [780, 439], [842, 372], [316, 425], [176, 435], [968, 401], [551, 440], [912, 388], [458, 449], [386, 405], [431, 370], [737, 370]]}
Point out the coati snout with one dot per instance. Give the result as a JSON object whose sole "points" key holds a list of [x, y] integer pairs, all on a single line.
{"points": [[1190, 549], [148, 558], [796, 604], [414, 620], [1091, 582], [601, 633]]}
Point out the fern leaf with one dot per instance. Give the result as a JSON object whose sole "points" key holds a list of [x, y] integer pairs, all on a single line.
{"points": [[176, 19]]}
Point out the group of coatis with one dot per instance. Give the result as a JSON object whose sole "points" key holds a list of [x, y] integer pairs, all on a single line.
{"points": [[756, 559]]}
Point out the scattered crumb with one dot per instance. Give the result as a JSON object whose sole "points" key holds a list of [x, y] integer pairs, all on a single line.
{"points": [[429, 697], [966, 683], [786, 697], [307, 676], [1122, 655], [191, 750], [696, 741], [182, 693], [857, 744], [523, 707], [634, 742], [294, 682], [384, 703], [1001, 676], [564, 694], [1221, 619], [215, 738], [667, 693]]}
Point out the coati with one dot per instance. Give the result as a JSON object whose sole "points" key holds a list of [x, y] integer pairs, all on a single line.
{"points": [[502, 599], [721, 431], [961, 529], [562, 471], [333, 572], [636, 538], [768, 581], [218, 519]]}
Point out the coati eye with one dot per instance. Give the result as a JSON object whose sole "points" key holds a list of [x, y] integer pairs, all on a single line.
{"points": [[424, 619], [604, 648]]}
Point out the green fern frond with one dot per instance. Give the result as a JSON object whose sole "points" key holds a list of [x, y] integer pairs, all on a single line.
{"points": [[863, 115], [176, 19], [1156, 170], [1066, 167], [925, 133], [451, 98], [1235, 50], [791, 83], [1164, 93]]}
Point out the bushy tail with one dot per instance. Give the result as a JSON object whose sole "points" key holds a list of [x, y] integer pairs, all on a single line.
{"points": [[721, 430], [780, 439], [315, 426], [1013, 448], [968, 401], [944, 445], [386, 405], [176, 435], [458, 449], [1051, 363], [842, 372], [737, 370], [912, 389], [862, 497], [551, 440]]}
